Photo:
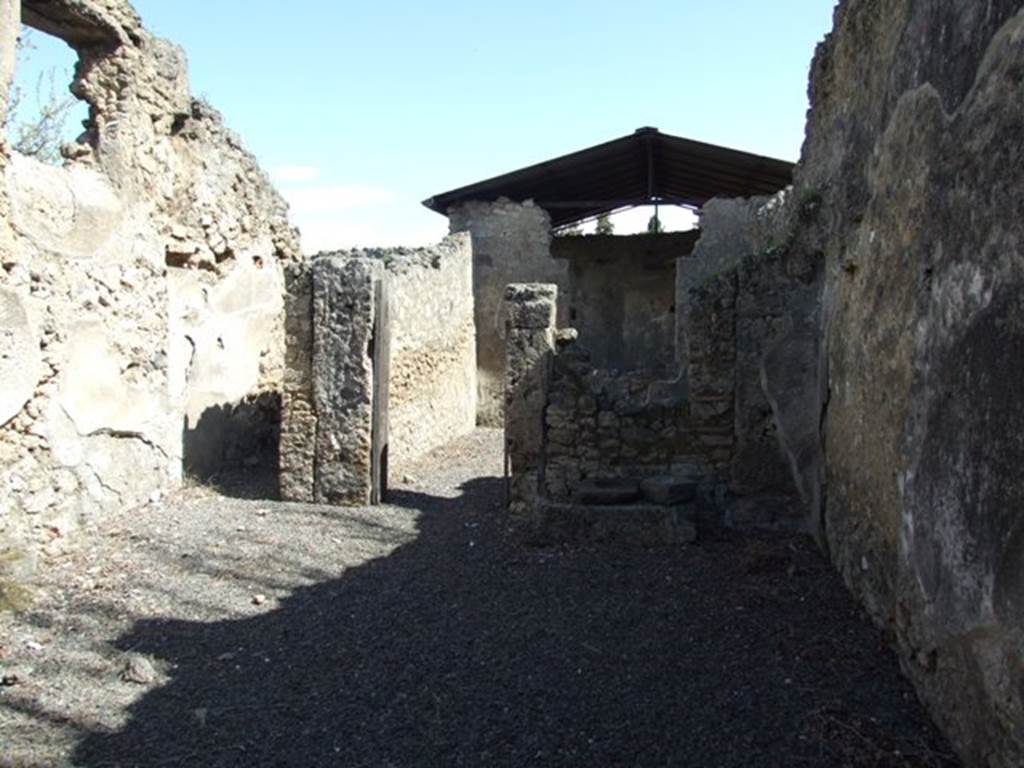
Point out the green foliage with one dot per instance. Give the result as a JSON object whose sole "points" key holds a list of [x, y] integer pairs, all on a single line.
{"points": [[654, 226], [570, 230], [604, 225], [37, 133]]}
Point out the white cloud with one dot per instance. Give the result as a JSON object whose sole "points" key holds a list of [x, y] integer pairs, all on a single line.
{"points": [[294, 173], [333, 198]]}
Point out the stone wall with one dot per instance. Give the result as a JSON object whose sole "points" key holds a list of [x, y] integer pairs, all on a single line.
{"points": [[140, 286], [708, 426], [621, 296], [530, 311], [327, 419], [433, 350], [913, 160], [626, 425], [511, 244], [432, 382], [740, 298]]}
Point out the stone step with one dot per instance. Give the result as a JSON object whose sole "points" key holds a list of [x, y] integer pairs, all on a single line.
{"points": [[607, 492], [668, 490]]}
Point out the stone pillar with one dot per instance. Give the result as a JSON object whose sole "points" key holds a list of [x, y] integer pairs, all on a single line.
{"points": [[326, 436], [343, 309], [529, 343], [297, 456]]}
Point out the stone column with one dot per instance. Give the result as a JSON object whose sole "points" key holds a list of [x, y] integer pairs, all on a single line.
{"points": [[326, 437], [343, 309], [298, 415], [529, 343]]}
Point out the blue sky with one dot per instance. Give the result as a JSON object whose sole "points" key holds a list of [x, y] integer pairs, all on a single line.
{"points": [[362, 110]]}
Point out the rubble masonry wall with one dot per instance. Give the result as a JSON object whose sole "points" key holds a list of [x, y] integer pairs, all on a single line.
{"points": [[140, 286], [511, 244]]}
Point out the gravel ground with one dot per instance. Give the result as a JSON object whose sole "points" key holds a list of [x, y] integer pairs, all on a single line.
{"points": [[213, 631]]}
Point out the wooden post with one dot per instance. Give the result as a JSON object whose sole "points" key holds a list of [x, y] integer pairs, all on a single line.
{"points": [[381, 379]]}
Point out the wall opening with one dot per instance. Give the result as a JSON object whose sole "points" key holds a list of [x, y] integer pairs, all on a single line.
{"points": [[43, 114]]}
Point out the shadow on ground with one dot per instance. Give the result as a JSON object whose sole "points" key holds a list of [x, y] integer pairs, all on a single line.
{"points": [[461, 649]]}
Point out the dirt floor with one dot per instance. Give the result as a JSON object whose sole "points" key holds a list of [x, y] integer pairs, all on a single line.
{"points": [[205, 630]]}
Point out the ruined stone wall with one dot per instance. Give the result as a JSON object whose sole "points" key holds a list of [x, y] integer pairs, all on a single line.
{"points": [[140, 285], [530, 333], [741, 299], [432, 382], [327, 415], [712, 425], [511, 244], [914, 159], [609, 424], [432, 388], [621, 297]]}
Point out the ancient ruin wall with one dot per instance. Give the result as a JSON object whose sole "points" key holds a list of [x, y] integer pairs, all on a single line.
{"points": [[914, 156], [621, 295], [433, 390], [140, 284], [511, 244], [742, 299], [432, 383], [530, 311]]}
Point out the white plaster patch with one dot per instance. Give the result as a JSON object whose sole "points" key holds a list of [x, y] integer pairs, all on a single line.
{"points": [[93, 391], [20, 358]]}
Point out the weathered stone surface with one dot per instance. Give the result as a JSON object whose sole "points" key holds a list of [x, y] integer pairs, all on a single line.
{"points": [[621, 295], [433, 389], [432, 383], [914, 162], [607, 491], [343, 313], [20, 360], [527, 370], [121, 355], [297, 456], [669, 490], [17, 564], [511, 244]]}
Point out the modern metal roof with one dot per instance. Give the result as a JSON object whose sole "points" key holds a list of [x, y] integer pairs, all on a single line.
{"points": [[642, 168]]}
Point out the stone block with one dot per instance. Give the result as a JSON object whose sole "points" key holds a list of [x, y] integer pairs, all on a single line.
{"points": [[607, 491], [668, 490]]}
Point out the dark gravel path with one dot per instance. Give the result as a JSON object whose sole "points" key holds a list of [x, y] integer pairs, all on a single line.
{"points": [[419, 635]]}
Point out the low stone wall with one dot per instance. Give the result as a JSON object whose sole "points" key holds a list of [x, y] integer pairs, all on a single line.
{"points": [[511, 244], [140, 289], [570, 431], [606, 424]]}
